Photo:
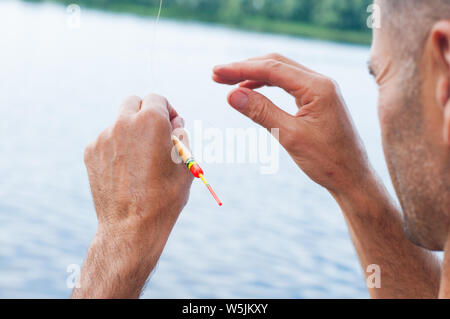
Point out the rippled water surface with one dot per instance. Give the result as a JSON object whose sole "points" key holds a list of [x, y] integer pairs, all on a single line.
{"points": [[276, 236]]}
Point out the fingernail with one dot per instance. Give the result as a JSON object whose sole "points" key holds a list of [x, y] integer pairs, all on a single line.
{"points": [[239, 100]]}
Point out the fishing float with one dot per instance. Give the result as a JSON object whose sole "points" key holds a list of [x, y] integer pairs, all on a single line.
{"points": [[190, 162]]}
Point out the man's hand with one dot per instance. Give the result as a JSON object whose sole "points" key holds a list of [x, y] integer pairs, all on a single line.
{"points": [[321, 137], [323, 141], [138, 194]]}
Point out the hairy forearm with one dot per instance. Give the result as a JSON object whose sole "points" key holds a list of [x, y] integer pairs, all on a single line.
{"points": [[377, 231], [115, 267]]}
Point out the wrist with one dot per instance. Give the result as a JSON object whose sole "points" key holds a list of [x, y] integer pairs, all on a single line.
{"points": [[115, 267], [133, 240], [144, 230], [363, 196], [124, 251]]}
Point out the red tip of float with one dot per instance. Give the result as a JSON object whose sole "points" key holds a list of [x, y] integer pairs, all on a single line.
{"points": [[215, 195]]}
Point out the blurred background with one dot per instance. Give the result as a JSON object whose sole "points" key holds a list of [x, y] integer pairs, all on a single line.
{"points": [[344, 20], [61, 83]]}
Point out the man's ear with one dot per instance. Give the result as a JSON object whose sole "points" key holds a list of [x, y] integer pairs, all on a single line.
{"points": [[440, 37]]}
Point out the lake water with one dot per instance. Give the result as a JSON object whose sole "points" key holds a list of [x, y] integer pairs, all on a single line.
{"points": [[277, 236]]}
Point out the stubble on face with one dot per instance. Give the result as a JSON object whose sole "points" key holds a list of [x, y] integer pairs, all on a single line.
{"points": [[415, 172]]}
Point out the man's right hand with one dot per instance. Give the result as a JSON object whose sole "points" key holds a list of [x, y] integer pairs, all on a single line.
{"points": [[138, 191], [321, 137]]}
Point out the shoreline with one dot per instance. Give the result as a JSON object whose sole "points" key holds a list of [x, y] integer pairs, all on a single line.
{"points": [[250, 23]]}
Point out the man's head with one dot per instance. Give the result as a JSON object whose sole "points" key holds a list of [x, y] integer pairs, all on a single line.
{"points": [[411, 62]]}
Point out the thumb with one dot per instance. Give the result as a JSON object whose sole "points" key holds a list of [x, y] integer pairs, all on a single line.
{"points": [[183, 135], [258, 108]]}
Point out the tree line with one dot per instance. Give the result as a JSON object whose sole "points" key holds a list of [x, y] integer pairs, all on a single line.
{"points": [[337, 14]]}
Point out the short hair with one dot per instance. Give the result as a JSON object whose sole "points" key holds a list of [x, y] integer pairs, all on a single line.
{"points": [[411, 21]]}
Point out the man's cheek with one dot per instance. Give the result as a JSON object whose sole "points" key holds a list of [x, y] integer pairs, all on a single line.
{"points": [[389, 112], [384, 116]]}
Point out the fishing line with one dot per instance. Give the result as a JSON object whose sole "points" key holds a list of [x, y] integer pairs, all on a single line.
{"points": [[152, 46], [159, 11], [184, 152]]}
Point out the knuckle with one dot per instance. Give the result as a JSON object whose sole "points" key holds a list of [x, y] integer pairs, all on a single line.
{"points": [[155, 97], [152, 96], [273, 68], [163, 99], [275, 56], [329, 85], [150, 115], [119, 127], [259, 113], [88, 151], [103, 138], [273, 64], [132, 98]]}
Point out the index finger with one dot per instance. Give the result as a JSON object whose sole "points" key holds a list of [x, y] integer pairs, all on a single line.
{"points": [[159, 103], [271, 71], [281, 58]]}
